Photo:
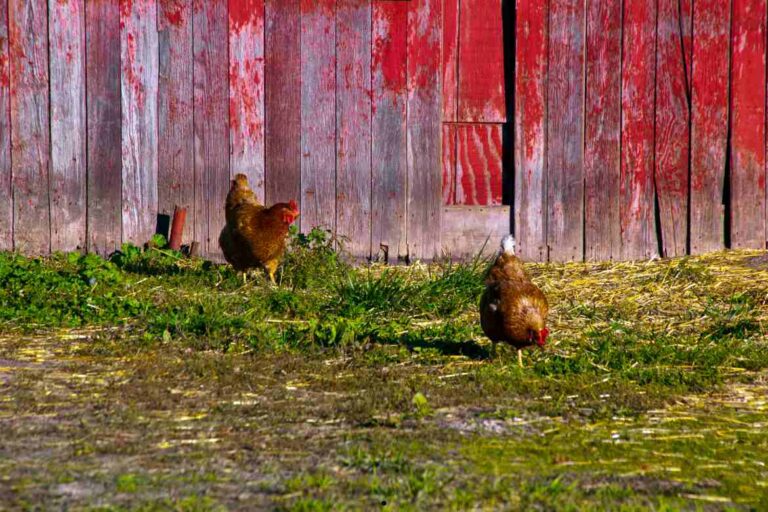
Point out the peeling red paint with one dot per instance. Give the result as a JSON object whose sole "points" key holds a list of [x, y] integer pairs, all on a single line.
{"points": [[244, 12], [530, 97], [481, 60], [174, 12], [478, 164], [748, 109], [389, 45], [5, 77]]}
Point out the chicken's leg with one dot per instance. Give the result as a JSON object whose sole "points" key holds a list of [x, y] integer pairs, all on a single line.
{"points": [[271, 268], [520, 358]]}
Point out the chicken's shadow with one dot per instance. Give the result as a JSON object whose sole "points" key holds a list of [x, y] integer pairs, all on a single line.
{"points": [[467, 348]]}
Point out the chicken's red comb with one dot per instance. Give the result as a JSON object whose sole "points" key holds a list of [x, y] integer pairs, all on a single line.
{"points": [[293, 204]]}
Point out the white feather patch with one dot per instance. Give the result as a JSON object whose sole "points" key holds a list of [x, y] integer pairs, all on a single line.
{"points": [[508, 245]]}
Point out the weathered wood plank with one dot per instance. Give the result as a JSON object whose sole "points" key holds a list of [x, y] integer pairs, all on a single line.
{"points": [[104, 125], [450, 60], [672, 128], [481, 62], [478, 164], [30, 136], [6, 186], [282, 73], [602, 131], [565, 131], [318, 114], [139, 57], [686, 24], [176, 158], [424, 128], [388, 131], [468, 230], [449, 164], [68, 134], [748, 124], [637, 125], [530, 128], [353, 125], [211, 121], [709, 124], [246, 91]]}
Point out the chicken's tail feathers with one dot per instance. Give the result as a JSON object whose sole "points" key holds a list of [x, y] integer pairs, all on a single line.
{"points": [[508, 245], [241, 180]]}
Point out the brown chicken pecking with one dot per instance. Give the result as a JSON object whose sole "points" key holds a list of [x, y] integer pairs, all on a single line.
{"points": [[254, 236], [513, 309]]}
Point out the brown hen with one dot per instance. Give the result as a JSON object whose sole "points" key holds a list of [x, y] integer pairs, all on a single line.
{"points": [[254, 236], [512, 309]]}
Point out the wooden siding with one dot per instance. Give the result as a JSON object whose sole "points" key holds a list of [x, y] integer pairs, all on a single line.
{"points": [[638, 125]]}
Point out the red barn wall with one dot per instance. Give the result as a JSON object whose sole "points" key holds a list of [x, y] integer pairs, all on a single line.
{"points": [[636, 127]]}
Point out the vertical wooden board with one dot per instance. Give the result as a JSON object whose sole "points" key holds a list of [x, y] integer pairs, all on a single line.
{"points": [[246, 91], [602, 236], [282, 74], [748, 124], [450, 60], [709, 124], [388, 130], [104, 125], [531, 128], [139, 57], [478, 164], [672, 129], [353, 125], [176, 160], [686, 26], [6, 195], [481, 62], [424, 128], [637, 127], [211, 121], [318, 114], [449, 164], [481, 95], [30, 136], [565, 136], [68, 130]]}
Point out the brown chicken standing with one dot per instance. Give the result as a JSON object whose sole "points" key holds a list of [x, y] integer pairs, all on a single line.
{"points": [[513, 309], [254, 236]]}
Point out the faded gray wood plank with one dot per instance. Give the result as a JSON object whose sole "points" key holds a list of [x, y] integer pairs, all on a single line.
{"points": [[68, 128], [531, 129], [388, 134], [468, 230], [211, 94], [565, 131], [139, 84], [282, 100], [6, 186], [246, 91], [104, 125], [602, 223], [30, 136], [424, 128], [175, 152], [318, 114], [353, 125]]}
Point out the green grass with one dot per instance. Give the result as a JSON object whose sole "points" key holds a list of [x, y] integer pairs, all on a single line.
{"points": [[174, 386]]}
